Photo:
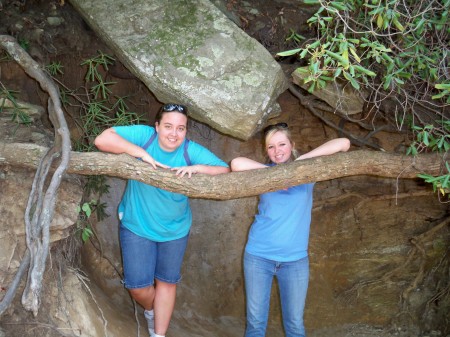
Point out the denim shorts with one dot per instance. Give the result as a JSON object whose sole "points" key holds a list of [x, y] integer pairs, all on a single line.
{"points": [[144, 259]]}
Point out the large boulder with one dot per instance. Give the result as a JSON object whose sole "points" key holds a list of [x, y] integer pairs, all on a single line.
{"points": [[190, 52]]}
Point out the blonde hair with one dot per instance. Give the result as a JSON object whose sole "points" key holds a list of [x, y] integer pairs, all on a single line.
{"points": [[280, 128]]}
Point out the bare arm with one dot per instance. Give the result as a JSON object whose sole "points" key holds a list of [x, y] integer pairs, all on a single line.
{"points": [[110, 141], [328, 148], [204, 169], [244, 164], [211, 170]]}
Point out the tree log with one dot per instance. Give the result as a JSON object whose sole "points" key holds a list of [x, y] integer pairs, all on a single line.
{"points": [[236, 184]]}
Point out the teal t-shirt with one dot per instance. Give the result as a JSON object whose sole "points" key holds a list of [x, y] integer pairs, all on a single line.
{"points": [[151, 212], [280, 231]]}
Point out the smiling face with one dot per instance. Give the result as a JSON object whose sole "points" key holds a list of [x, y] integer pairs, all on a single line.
{"points": [[171, 130], [279, 147]]}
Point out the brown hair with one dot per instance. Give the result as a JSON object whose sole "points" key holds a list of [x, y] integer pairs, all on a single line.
{"points": [[170, 107]]}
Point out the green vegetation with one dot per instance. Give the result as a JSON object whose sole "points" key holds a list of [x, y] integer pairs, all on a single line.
{"points": [[54, 68], [25, 44], [19, 113], [93, 108], [95, 185], [393, 52]]}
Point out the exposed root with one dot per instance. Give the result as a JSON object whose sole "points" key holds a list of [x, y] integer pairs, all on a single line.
{"points": [[83, 279]]}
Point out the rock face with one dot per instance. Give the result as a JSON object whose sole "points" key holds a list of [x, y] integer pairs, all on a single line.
{"points": [[15, 187], [15, 184], [190, 52]]}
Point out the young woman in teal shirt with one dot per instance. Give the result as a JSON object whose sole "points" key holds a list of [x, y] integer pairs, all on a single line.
{"points": [[155, 223]]}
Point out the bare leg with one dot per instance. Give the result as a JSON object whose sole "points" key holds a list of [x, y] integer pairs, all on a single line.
{"points": [[164, 305], [144, 296]]}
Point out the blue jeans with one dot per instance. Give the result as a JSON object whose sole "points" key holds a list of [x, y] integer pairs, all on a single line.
{"points": [[293, 285], [144, 259]]}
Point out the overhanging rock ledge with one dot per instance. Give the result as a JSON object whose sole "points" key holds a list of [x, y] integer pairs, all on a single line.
{"points": [[190, 52]]}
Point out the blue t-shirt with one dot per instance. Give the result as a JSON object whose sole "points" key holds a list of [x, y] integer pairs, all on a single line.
{"points": [[152, 212], [280, 231]]}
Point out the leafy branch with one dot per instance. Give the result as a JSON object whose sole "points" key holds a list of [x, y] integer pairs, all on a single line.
{"points": [[394, 53]]}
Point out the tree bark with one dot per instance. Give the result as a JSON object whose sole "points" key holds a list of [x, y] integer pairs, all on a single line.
{"points": [[236, 184]]}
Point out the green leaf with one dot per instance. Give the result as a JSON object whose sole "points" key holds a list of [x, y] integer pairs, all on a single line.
{"points": [[352, 81], [426, 140], [302, 71], [86, 234], [313, 45], [424, 176], [414, 151], [365, 71], [387, 57], [442, 86], [339, 58], [380, 21], [321, 83], [338, 5], [87, 209], [351, 70], [445, 183], [387, 82], [337, 72], [442, 94], [315, 67], [398, 25], [289, 52], [441, 142], [353, 51], [446, 146]]}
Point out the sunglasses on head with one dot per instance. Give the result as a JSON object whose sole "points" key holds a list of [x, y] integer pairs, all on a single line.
{"points": [[174, 107], [275, 126]]}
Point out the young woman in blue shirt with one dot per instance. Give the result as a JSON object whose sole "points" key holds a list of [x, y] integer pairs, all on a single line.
{"points": [[277, 244], [155, 223]]}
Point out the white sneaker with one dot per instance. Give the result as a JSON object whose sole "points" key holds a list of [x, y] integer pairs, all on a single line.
{"points": [[150, 317]]}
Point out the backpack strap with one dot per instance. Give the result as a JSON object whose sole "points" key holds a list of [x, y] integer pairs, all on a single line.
{"points": [[150, 141], [186, 145], [186, 154]]}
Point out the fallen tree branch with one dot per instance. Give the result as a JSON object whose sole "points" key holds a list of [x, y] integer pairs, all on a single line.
{"points": [[236, 184]]}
